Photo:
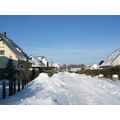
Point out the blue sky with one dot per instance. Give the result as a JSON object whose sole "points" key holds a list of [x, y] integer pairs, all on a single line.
{"points": [[65, 39]]}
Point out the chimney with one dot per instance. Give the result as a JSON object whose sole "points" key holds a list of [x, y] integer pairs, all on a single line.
{"points": [[4, 34]]}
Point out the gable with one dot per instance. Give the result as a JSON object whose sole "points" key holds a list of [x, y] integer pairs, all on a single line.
{"points": [[7, 51], [15, 48], [36, 62]]}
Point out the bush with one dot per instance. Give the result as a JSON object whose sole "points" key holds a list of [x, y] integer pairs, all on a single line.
{"points": [[34, 74]]}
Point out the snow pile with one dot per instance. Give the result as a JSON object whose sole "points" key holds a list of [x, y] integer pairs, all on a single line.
{"points": [[115, 77], [67, 89]]}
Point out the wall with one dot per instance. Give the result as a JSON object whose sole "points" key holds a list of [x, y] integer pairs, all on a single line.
{"points": [[8, 53]]}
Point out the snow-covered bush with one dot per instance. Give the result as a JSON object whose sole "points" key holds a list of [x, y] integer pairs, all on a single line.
{"points": [[100, 76], [115, 77]]}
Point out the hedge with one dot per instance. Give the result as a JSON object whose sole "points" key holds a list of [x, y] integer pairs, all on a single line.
{"points": [[106, 72]]}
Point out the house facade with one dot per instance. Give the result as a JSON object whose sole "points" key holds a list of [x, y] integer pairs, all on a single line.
{"points": [[10, 50]]}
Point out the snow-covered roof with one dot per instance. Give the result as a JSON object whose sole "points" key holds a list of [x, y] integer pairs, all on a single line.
{"points": [[41, 58], [36, 62], [111, 58], [95, 65], [14, 47]]}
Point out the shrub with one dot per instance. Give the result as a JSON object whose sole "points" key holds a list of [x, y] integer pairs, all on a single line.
{"points": [[9, 74], [34, 74]]}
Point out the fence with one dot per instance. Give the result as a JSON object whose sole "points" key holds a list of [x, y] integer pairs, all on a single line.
{"points": [[10, 87]]}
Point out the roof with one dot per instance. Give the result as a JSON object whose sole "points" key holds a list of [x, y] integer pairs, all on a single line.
{"points": [[41, 57], [111, 58], [39, 62], [15, 48]]}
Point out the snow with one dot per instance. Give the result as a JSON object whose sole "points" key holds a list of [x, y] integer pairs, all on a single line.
{"points": [[67, 89], [18, 49]]}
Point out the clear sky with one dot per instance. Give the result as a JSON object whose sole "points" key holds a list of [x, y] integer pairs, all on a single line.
{"points": [[65, 39]]}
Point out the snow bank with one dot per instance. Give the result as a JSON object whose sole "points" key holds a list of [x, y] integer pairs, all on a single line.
{"points": [[67, 89]]}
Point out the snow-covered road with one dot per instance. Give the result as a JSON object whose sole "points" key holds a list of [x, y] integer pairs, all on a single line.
{"points": [[67, 89]]}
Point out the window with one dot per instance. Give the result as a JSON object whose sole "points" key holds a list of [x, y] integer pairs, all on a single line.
{"points": [[2, 52]]}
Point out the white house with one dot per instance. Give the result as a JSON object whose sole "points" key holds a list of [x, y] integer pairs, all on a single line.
{"points": [[112, 60], [10, 50], [35, 62], [94, 67], [43, 60]]}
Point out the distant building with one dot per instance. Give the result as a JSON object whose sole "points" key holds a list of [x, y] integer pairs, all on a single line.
{"points": [[41, 63], [54, 66], [94, 67], [44, 60], [38, 62], [10, 50], [112, 60], [87, 67], [75, 69], [91, 67], [35, 62]]}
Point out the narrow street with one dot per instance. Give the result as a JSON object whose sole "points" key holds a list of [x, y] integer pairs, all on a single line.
{"points": [[67, 89]]}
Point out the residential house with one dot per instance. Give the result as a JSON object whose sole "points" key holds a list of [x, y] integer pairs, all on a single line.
{"points": [[94, 67], [10, 50], [36, 63], [91, 67], [44, 60], [112, 60]]}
